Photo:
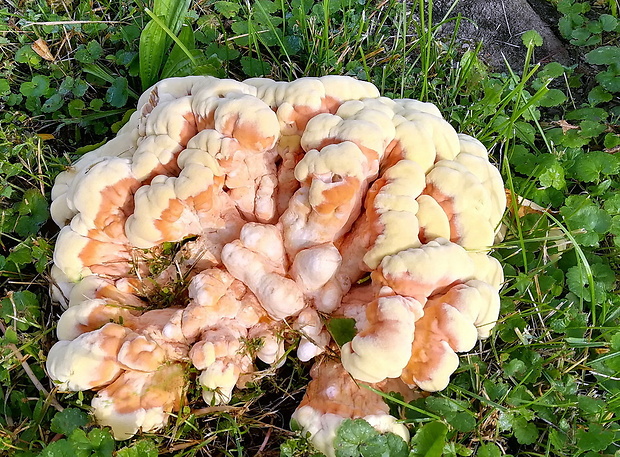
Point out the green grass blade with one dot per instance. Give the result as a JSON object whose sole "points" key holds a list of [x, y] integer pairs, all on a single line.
{"points": [[153, 46], [103, 73], [173, 13], [171, 34], [153, 41]]}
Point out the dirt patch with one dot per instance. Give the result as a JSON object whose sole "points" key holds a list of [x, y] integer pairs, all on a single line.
{"points": [[499, 24]]}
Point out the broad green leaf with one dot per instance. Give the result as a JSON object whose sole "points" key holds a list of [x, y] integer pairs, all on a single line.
{"points": [[577, 282], [118, 92], [572, 139], [594, 27], [153, 47], [551, 70], [270, 6], [551, 173], [608, 22], [21, 308], [599, 95], [145, 448], [596, 438], [592, 114], [254, 67], [605, 55], [351, 434], [53, 104], [227, 53], [293, 44], [612, 204], [495, 390], [612, 140], [199, 66], [173, 13], [531, 38], [102, 442], [14, 99], [584, 37], [463, 422], [609, 80], [66, 86], [429, 440], [581, 214], [591, 405], [507, 332], [442, 406], [525, 131], [33, 213], [21, 255], [76, 107], [489, 450], [554, 97], [525, 432], [5, 89], [615, 341], [26, 55], [522, 160], [341, 329], [178, 62], [60, 448], [66, 421], [33, 104], [10, 335], [558, 439], [516, 368], [36, 87], [227, 9], [89, 53], [594, 165], [162, 47], [357, 438]]}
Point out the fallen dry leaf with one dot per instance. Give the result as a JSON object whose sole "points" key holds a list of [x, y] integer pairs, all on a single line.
{"points": [[41, 48], [524, 205], [565, 125]]}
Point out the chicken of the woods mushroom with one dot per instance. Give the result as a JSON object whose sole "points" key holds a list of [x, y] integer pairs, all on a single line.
{"points": [[271, 201]]}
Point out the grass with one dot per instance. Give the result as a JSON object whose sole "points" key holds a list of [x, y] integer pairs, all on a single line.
{"points": [[546, 383]]}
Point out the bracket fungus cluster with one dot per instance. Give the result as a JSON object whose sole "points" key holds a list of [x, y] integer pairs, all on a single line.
{"points": [[289, 204]]}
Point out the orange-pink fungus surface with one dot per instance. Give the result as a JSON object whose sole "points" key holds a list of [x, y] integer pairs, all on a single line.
{"points": [[229, 220]]}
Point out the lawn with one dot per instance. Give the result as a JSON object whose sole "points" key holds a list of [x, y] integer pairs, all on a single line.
{"points": [[547, 380]]}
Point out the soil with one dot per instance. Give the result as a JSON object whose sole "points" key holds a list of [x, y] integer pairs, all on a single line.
{"points": [[500, 24]]}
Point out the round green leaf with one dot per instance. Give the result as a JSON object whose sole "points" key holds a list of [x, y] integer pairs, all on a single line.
{"points": [[76, 107], [89, 53], [5, 89], [554, 97], [608, 22], [429, 440], [64, 422], [489, 450], [36, 87], [26, 55], [609, 80], [118, 92], [605, 55], [227, 9], [595, 438], [53, 104], [531, 38], [599, 95]]}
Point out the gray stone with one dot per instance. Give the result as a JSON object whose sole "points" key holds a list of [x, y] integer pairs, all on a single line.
{"points": [[500, 24]]}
